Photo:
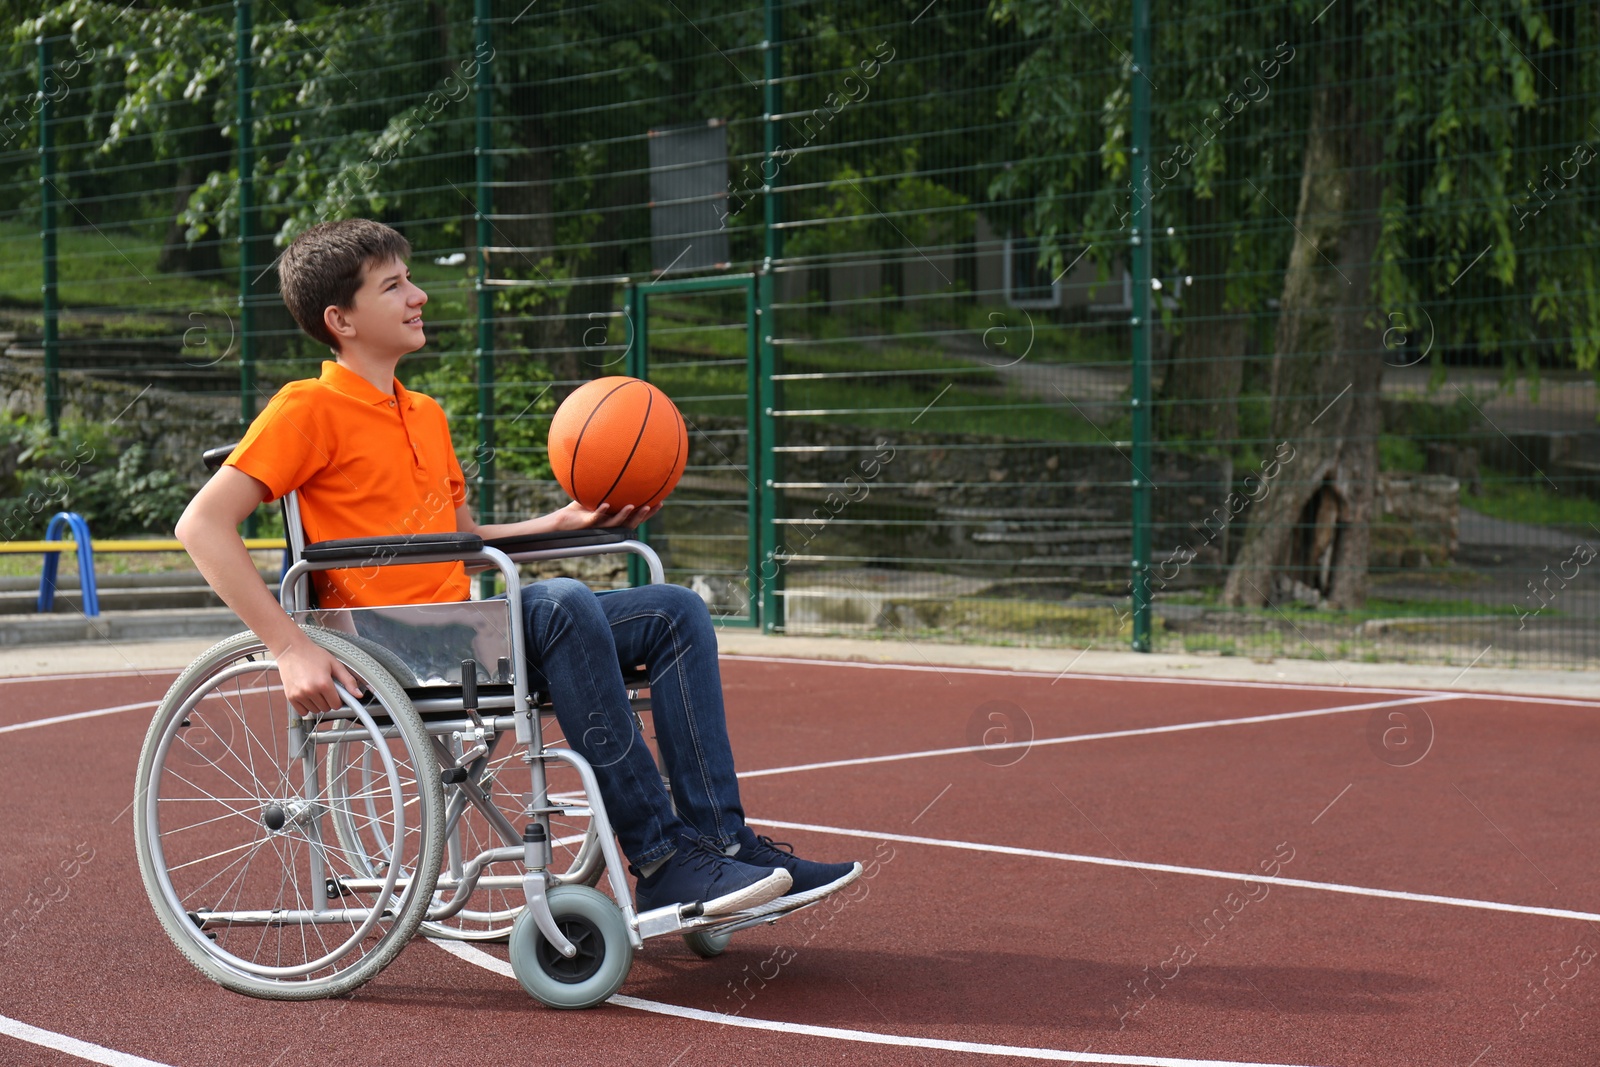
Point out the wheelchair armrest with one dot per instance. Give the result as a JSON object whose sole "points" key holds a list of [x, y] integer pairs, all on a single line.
{"points": [[560, 539], [368, 550], [214, 458]]}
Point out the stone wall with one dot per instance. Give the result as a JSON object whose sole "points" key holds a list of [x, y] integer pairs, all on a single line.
{"points": [[1419, 521], [176, 427]]}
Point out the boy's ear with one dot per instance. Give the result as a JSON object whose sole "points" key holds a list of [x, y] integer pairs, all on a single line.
{"points": [[334, 318]]}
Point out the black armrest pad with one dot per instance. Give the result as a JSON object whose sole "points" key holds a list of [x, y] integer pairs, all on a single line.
{"points": [[560, 539], [400, 546], [215, 457]]}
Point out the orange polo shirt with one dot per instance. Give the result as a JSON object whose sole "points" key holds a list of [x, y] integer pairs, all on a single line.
{"points": [[365, 464]]}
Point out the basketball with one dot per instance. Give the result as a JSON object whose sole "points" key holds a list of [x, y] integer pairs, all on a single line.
{"points": [[618, 441]]}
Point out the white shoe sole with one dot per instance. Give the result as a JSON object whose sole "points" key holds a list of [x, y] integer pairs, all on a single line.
{"points": [[751, 896], [800, 900]]}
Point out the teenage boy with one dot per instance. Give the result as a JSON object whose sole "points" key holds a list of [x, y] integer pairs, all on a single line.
{"points": [[369, 457]]}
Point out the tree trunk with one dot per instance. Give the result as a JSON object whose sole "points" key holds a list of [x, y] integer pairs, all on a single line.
{"points": [[207, 151], [1199, 397], [1309, 526]]}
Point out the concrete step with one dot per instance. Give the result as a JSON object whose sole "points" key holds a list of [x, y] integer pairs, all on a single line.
{"points": [[998, 514], [117, 626], [1053, 537], [118, 592], [69, 601], [172, 579], [861, 597]]}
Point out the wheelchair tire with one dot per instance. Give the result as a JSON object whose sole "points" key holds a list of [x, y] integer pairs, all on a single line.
{"points": [[238, 854], [595, 926], [708, 944]]}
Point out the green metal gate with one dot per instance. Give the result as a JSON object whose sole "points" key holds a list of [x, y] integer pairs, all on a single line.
{"points": [[698, 339]]}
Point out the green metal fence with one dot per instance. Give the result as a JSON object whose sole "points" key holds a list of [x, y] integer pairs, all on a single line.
{"points": [[1265, 330]]}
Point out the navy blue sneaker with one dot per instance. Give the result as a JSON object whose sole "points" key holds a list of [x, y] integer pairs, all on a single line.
{"points": [[699, 871], [811, 881]]}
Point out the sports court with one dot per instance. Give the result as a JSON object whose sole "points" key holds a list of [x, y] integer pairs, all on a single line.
{"points": [[1057, 871]]}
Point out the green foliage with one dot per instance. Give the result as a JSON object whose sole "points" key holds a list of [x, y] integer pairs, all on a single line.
{"points": [[111, 481], [1400, 454], [1424, 418], [1479, 146]]}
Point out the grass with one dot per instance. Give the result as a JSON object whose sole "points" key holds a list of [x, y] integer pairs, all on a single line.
{"points": [[28, 565], [113, 270], [878, 383], [1006, 334], [1531, 502], [1376, 607]]}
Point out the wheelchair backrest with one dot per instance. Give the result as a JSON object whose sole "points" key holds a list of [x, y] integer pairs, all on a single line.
{"points": [[422, 645]]}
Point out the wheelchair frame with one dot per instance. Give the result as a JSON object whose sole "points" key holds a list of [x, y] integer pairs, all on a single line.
{"points": [[571, 946]]}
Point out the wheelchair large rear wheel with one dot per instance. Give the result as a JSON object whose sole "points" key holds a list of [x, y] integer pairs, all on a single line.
{"points": [[235, 824]]}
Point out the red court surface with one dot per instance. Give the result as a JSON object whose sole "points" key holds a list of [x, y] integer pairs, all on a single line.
{"points": [[1060, 874]]}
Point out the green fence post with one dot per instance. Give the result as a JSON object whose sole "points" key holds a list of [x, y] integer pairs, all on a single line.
{"points": [[636, 364], [764, 435], [243, 29], [484, 174], [1139, 241], [47, 235]]}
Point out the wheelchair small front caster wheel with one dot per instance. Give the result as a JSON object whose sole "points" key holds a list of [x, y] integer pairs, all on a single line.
{"points": [[708, 944], [588, 919]]}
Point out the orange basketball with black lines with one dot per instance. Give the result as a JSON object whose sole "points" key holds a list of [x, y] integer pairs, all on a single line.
{"points": [[618, 441]]}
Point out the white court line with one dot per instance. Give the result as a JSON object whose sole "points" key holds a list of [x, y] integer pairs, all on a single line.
{"points": [[13, 679], [78, 715], [1142, 731], [1309, 687], [479, 958], [52, 720], [72, 1046], [108, 711], [1199, 872]]}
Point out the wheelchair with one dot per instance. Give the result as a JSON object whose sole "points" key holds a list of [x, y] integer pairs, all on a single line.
{"points": [[292, 856]]}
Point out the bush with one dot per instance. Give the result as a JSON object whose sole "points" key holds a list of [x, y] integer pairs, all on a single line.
{"points": [[109, 480]]}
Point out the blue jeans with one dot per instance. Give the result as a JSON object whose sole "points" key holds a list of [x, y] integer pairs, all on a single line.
{"points": [[578, 642]]}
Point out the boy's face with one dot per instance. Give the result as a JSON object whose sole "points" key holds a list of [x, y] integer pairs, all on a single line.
{"points": [[386, 316]]}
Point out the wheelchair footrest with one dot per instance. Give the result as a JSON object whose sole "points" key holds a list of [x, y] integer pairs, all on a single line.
{"points": [[679, 918]]}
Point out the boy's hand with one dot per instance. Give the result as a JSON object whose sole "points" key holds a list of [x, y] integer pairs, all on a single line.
{"points": [[309, 672], [577, 517]]}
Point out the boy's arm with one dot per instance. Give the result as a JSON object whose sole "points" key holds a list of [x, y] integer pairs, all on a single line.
{"points": [[572, 517], [209, 529]]}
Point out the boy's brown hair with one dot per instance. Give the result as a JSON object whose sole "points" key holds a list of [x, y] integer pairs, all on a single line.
{"points": [[326, 265]]}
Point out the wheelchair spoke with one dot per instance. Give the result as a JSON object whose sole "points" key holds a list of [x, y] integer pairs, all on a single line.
{"points": [[215, 855], [242, 832]]}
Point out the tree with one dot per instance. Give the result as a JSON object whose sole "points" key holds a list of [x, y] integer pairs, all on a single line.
{"points": [[1411, 129]]}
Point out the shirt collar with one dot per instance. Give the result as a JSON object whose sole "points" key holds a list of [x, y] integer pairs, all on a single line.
{"points": [[343, 380]]}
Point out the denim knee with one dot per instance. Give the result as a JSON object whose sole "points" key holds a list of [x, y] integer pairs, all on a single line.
{"points": [[561, 590], [685, 608], [552, 606]]}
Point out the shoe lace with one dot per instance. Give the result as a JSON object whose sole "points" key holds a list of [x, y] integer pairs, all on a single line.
{"points": [[769, 845], [707, 854]]}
